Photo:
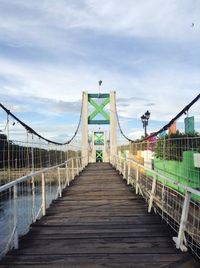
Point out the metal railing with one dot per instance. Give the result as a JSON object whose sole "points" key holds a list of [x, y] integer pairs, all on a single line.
{"points": [[25, 200], [180, 209]]}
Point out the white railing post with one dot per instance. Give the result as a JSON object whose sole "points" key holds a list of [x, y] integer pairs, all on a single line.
{"points": [[32, 159], [81, 163], [129, 172], [16, 238], [113, 161], [120, 165], [33, 199], [153, 187], [77, 168], [43, 195], [84, 164], [124, 169], [33, 186], [184, 216], [137, 180], [59, 184], [67, 174], [73, 175]]}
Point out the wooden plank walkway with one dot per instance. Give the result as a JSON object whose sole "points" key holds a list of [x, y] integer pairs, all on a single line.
{"points": [[99, 222]]}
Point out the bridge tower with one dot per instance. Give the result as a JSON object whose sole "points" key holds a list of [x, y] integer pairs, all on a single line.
{"points": [[101, 144]]}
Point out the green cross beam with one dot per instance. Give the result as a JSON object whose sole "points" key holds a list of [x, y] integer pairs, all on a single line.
{"points": [[98, 138], [99, 110], [99, 154]]}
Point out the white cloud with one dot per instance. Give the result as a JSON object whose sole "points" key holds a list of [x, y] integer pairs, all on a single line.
{"points": [[38, 23], [156, 18], [167, 78], [160, 87], [18, 133]]}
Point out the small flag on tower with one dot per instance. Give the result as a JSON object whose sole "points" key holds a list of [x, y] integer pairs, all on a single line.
{"points": [[189, 125]]}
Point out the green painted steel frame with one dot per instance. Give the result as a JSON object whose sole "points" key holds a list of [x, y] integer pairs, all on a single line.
{"points": [[99, 109], [98, 138], [99, 155], [98, 122], [98, 96]]}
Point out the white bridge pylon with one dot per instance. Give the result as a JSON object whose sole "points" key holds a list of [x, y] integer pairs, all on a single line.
{"points": [[101, 144]]}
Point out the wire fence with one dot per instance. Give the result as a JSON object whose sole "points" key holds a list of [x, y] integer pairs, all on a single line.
{"points": [[26, 199], [33, 172], [164, 168], [23, 150], [180, 209]]}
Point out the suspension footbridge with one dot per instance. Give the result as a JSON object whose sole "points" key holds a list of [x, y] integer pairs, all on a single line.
{"points": [[100, 199]]}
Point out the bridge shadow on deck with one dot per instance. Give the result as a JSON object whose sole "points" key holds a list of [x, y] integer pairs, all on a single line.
{"points": [[99, 222]]}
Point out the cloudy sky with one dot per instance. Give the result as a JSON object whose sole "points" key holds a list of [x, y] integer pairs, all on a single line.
{"points": [[52, 50]]}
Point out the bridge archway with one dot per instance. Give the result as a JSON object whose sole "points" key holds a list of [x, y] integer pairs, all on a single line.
{"points": [[101, 141]]}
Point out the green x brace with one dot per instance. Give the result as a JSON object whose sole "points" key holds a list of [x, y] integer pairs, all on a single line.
{"points": [[98, 138], [99, 154], [99, 110]]}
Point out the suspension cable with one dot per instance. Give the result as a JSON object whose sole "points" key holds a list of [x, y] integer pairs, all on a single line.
{"points": [[120, 129], [183, 111], [78, 126], [32, 131]]}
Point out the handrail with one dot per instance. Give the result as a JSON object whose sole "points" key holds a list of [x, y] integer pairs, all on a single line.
{"points": [[77, 165], [33, 174], [176, 183], [186, 215]]}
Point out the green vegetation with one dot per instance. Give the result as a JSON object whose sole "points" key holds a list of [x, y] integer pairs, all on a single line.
{"points": [[172, 146], [17, 156]]}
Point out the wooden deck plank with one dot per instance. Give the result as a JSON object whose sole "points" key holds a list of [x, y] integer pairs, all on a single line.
{"points": [[99, 222], [102, 260]]}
